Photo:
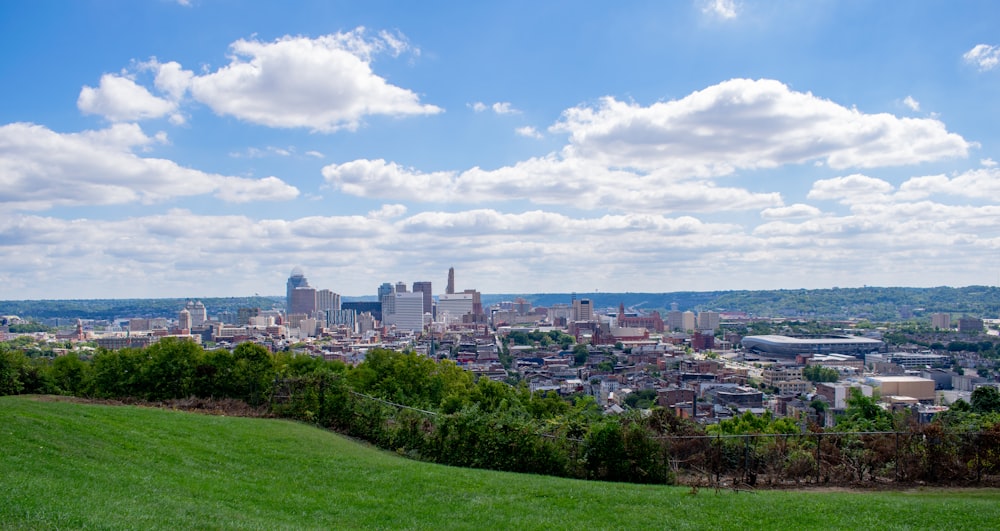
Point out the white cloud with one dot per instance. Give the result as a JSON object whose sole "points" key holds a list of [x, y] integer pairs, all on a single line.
{"points": [[528, 131], [797, 210], [323, 84], [388, 211], [981, 183], [504, 107], [120, 99], [988, 162], [40, 169], [911, 103], [983, 56], [547, 180], [725, 9], [665, 157], [239, 190], [881, 242], [744, 123], [854, 188], [171, 78], [315, 154], [500, 107]]}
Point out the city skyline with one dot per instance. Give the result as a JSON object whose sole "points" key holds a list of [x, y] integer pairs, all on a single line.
{"points": [[149, 149]]}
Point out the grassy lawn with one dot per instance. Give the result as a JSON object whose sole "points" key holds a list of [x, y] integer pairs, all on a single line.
{"points": [[74, 466]]}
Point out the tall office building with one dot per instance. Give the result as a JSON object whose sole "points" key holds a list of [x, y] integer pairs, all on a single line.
{"points": [[198, 313], [303, 301], [296, 280], [425, 288], [675, 320], [688, 321], [184, 320], [385, 292], [453, 307], [327, 300], [708, 320], [583, 310], [451, 281], [409, 312], [401, 287], [941, 320]]}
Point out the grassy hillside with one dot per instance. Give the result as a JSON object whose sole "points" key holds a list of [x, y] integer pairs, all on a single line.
{"points": [[72, 466]]}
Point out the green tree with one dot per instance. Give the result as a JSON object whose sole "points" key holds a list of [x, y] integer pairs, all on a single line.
{"points": [[71, 375], [986, 399], [580, 354], [11, 365], [864, 414], [253, 373]]}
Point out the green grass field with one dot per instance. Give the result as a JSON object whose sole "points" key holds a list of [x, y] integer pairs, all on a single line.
{"points": [[73, 466]]}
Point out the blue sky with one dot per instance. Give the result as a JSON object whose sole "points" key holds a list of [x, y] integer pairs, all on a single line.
{"points": [[207, 147]]}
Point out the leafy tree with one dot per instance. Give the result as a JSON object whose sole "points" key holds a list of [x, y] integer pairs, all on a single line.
{"points": [[71, 375], [254, 372], [816, 373], [986, 399], [580, 354], [11, 365], [864, 414]]}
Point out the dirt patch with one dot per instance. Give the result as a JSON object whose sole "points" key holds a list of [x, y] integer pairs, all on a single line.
{"points": [[206, 406]]}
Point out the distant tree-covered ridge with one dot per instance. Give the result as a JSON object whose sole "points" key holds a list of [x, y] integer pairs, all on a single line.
{"points": [[874, 303]]}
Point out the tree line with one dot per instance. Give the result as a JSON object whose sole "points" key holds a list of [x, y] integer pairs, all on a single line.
{"points": [[435, 411]]}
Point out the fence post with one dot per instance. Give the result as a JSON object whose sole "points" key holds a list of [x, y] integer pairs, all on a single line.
{"points": [[819, 442], [897, 456]]}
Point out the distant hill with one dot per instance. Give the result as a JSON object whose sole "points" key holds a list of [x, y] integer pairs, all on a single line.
{"points": [[874, 303]]}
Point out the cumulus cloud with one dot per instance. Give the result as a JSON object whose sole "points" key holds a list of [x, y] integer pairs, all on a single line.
{"points": [[121, 99], [528, 131], [883, 242], [388, 211], [323, 84], [798, 210], [40, 169], [500, 107], [983, 56], [667, 156], [856, 188], [745, 123], [725, 9], [547, 180], [980, 183], [911, 103]]}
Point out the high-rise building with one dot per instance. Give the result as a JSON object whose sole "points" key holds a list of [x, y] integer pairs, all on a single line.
{"points": [[583, 310], [198, 313], [409, 312], [675, 320], [184, 320], [401, 287], [425, 288], [303, 301], [385, 292], [327, 300], [451, 281], [688, 320], [296, 280], [453, 307], [941, 320], [708, 320], [477, 303]]}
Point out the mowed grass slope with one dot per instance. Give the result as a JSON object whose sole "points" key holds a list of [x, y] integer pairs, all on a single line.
{"points": [[70, 466]]}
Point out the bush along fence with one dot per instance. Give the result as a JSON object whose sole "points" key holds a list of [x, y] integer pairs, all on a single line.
{"points": [[436, 412], [649, 448]]}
